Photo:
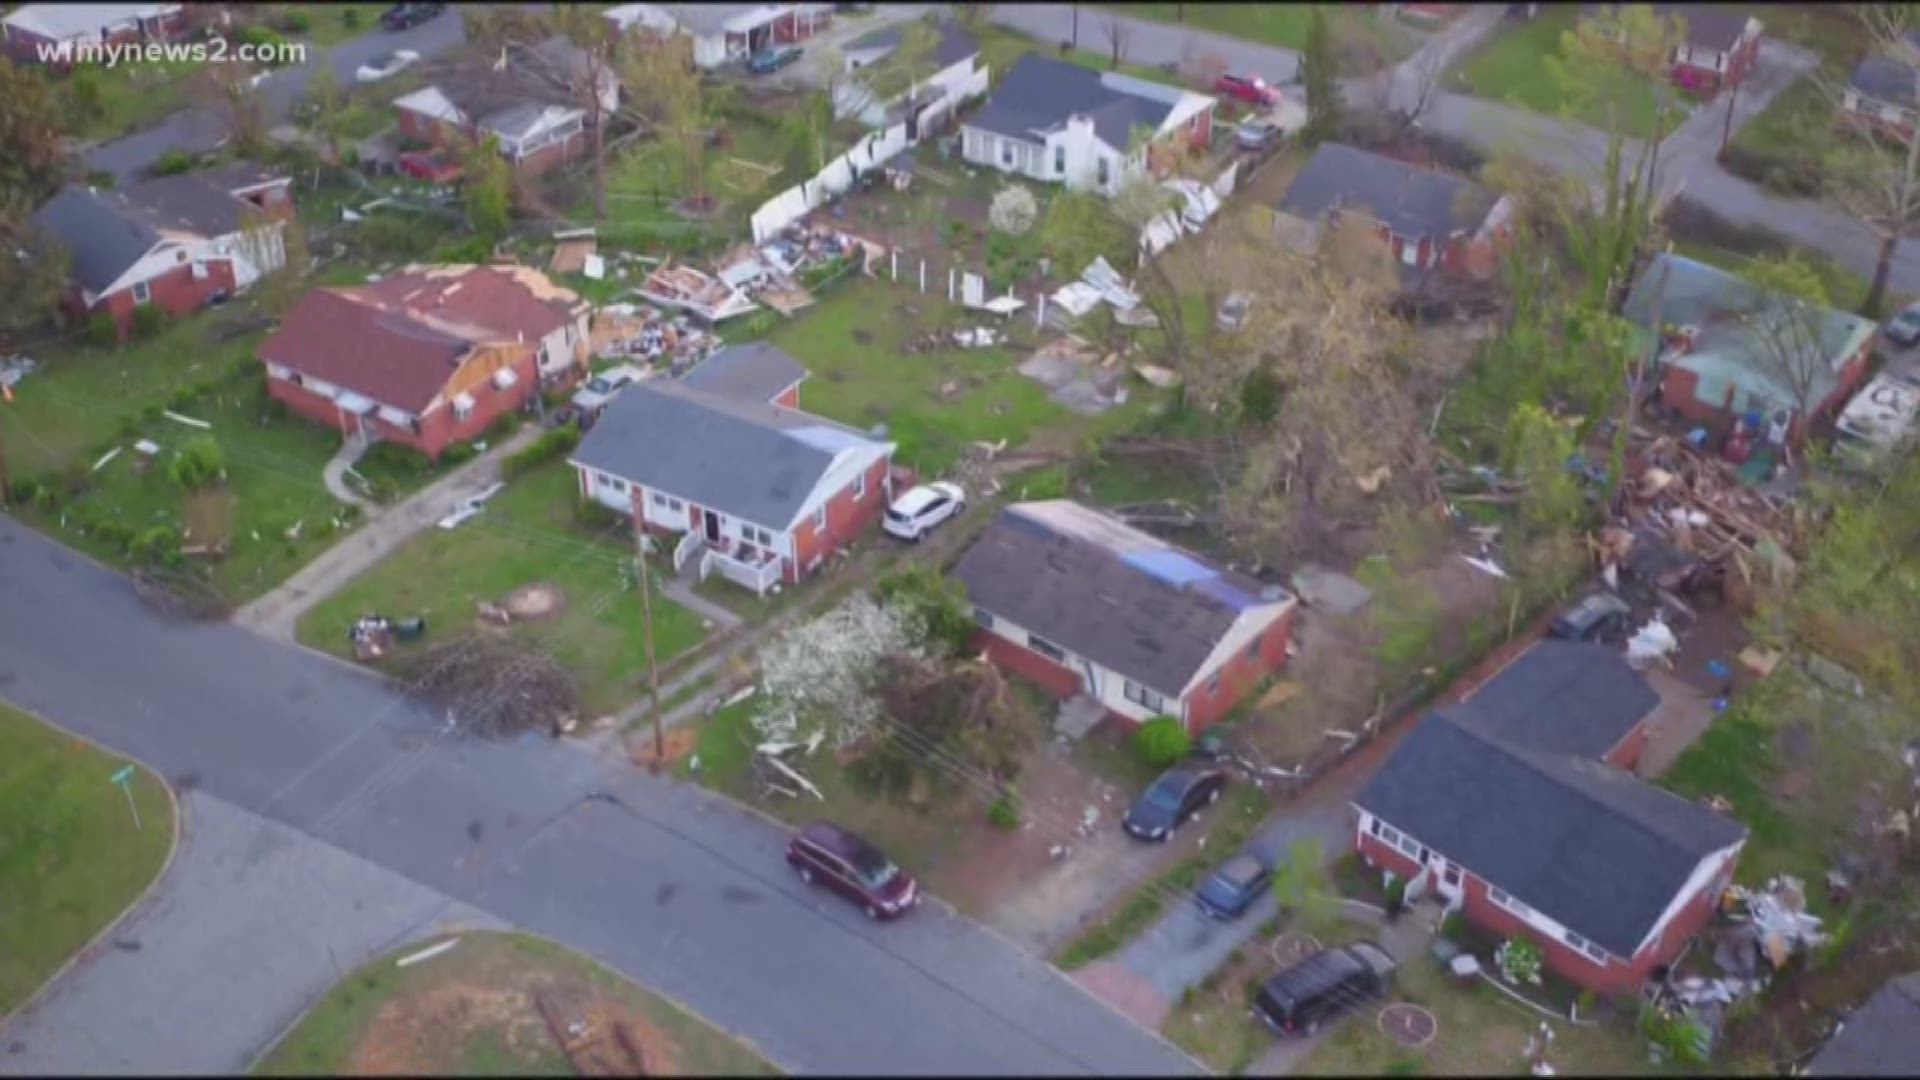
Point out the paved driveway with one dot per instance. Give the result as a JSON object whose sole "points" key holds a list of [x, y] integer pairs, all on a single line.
{"points": [[684, 892]]}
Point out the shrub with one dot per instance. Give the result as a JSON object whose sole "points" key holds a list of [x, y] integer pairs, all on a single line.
{"points": [[26, 490], [1519, 961], [102, 332], [458, 454], [275, 410], [171, 163], [1396, 895], [1005, 811], [350, 17], [260, 37], [397, 460], [47, 497], [148, 319], [158, 544], [935, 602], [100, 178], [1161, 741], [1047, 483], [502, 429], [596, 517], [296, 22], [200, 463], [546, 448]]}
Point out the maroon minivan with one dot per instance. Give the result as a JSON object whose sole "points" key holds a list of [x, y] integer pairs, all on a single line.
{"points": [[841, 861]]}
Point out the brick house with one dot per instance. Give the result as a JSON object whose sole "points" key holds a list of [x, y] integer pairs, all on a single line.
{"points": [[724, 464], [177, 242], [1429, 220], [1880, 93], [1514, 809], [1056, 121], [1083, 603], [538, 125], [1720, 43], [723, 34], [429, 357], [1732, 350], [34, 29]]}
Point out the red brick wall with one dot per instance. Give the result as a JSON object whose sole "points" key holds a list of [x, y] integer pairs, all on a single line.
{"points": [[1240, 674], [549, 156], [438, 428], [426, 129], [1677, 388], [790, 397], [1562, 959], [174, 291], [1739, 65], [1626, 753], [847, 517], [1058, 680]]}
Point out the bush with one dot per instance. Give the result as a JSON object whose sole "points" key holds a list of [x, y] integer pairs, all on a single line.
{"points": [[547, 447], [596, 517], [148, 319], [1519, 961], [171, 163], [1005, 811], [350, 17], [935, 601], [260, 37], [401, 236], [502, 429], [200, 463], [473, 249], [102, 332], [395, 460], [296, 22], [458, 454], [26, 490], [157, 545], [100, 178], [1162, 741], [1047, 483], [1396, 895]]}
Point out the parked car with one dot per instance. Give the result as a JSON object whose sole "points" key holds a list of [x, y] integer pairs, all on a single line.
{"points": [[1256, 135], [1249, 88], [1878, 421], [406, 16], [430, 166], [839, 860], [470, 506], [924, 506], [773, 59], [1234, 887], [1177, 795], [381, 67], [594, 395], [1299, 999], [1600, 617], [1904, 328]]}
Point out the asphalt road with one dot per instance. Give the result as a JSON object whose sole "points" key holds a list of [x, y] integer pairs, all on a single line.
{"points": [[684, 892], [202, 128]]}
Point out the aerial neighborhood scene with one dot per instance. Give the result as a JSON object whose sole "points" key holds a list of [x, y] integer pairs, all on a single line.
{"points": [[910, 539]]}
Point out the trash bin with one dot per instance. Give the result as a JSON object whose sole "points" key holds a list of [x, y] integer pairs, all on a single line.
{"points": [[410, 629]]}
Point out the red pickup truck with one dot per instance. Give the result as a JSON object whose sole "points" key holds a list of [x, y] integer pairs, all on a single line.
{"points": [[1249, 88]]}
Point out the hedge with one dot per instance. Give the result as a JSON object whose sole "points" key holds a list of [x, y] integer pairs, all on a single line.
{"points": [[547, 447]]}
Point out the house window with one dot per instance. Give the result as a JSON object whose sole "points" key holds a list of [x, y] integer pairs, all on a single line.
{"points": [[1213, 683], [1103, 171], [983, 617], [1006, 152], [1046, 648], [758, 536], [1410, 252], [659, 499], [275, 371], [1503, 900], [1060, 161], [860, 487], [820, 518], [141, 292], [1143, 697], [613, 483], [1593, 952]]}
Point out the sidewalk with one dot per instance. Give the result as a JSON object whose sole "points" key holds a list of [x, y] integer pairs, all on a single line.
{"points": [[276, 614]]}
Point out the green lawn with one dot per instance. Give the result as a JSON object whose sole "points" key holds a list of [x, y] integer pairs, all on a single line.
{"points": [[645, 182], [273, 485], [1000, 48], [851, 341], [1512, 68], [385, 1018], [330, 24], [529, 533], [71, 859], [1284, 25]]}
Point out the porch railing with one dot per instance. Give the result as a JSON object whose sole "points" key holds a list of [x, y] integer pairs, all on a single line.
{"points": [[689, 544], [756, 576]]}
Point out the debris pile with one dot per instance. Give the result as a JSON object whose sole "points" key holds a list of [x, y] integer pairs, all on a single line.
{"points": [[697, 292], [494, 688], [644, 332], [1689, 517]]}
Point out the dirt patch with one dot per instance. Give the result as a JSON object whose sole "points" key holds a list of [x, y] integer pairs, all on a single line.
{"points": [[679, 742], [535, 601], [208, 517], [997, 864], [1409, 1025]]}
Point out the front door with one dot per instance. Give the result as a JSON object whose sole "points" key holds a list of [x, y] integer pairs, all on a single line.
{"points": [[713, 527], [1446, 875]]}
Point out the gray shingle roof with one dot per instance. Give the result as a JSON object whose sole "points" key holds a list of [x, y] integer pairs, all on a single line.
{"points": [[1596, 849], [1040, 95], [1880, 1038], [953, 46], [746, 459], [1409, 200], [101, 241], [1106, 591], [1884, 79], [1708, 26], [1569, 697], [752, 371]]}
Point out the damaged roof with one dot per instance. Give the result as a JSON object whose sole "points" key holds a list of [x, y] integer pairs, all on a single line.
{"points": [[1104, 590], [1594, 848], [1409, 200], [358, 344]]}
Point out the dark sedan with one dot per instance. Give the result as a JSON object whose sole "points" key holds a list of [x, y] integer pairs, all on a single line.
{"points": [[406, 16], [1234, 887], [1176, 796]]}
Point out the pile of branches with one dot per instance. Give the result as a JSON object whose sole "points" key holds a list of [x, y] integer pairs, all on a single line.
{"points": [[492, 687], [183, 594], [963, 724], [1702, 505]]}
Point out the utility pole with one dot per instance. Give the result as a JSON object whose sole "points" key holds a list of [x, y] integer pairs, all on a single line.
{"points": [[1726, 132], [646, 615]]}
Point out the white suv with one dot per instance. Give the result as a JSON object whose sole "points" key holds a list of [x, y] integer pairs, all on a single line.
{"points": [[914, 514]]}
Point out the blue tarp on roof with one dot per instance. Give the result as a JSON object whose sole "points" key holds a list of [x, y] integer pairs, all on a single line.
{"points": [[1236, 598], [1176, 568]]}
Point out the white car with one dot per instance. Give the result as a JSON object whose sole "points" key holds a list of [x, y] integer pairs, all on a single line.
{"points": [[914, 514], [381, 67], [597, 391], [471, 506]]}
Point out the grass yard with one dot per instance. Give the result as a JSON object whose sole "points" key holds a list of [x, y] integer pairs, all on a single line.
{"points": [[645, 182], [1000, 48], [71, 859], [475, 1011], [1284, 25], [330, 24], [529, 533], [1512, 68], [933, 404], [128, 97], [272, 486]]}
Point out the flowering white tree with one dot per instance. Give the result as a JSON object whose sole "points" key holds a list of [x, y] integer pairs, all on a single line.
{"points": [[819, 676], [1013, 210]]}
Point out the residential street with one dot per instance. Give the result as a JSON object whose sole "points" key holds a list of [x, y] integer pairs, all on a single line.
{"points": [[680, 890], [1547, 140], [200, 129]]}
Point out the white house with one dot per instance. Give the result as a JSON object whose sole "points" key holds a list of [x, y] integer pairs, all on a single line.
{"points": [[31, 28], [1051, 120], [957, 73], [725, 33]]}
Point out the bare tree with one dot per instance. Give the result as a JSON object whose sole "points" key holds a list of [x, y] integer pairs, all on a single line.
{"points": [[1119, 34], [661, 78], [1785, 318], [1877, 181]]}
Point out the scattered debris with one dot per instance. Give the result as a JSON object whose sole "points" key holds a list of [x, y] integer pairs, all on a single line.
{"points": [[108, 456], [427, 953], [695, 291], [571, 251], [1654, 641], [187, 420]]}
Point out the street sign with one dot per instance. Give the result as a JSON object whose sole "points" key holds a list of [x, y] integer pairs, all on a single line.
{"points": [[124, 778]]}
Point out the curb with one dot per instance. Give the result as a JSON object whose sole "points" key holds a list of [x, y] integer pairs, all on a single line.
{"points": [[138, 904], [956, 913]]}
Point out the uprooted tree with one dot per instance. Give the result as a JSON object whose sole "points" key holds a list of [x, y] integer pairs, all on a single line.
{"points": [[943, 726], [492, 686]]}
